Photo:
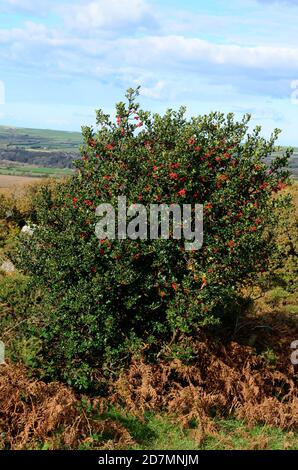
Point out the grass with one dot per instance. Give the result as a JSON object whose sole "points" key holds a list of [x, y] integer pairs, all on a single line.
{"points": [[236, 435], [39, 139], [155, 432], [160, 432], [27, 170]]}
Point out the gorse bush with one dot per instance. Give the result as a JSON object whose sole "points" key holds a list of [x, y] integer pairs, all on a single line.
{"points": [[102, 300]]}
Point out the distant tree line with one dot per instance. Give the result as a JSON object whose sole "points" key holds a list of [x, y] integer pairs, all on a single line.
{"points": [[52, 159]]}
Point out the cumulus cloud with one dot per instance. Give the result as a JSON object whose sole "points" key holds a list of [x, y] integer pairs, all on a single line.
{"points": [[154, 91], [177, 51], [113, 15], [120, 43], [2, 93], [150, 60]]}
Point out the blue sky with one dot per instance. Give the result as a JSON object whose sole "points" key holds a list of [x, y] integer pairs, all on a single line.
{"points": [[60, 60]]}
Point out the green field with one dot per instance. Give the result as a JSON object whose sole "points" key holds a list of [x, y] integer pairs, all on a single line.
{"points": [[37, 148], [39, 139], [33, 171]]}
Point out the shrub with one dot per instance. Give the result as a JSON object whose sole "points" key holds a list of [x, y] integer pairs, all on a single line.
{"points": [[17, 209], [104, 299]]}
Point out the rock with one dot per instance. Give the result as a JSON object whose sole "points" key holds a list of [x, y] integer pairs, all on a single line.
{"points": [[7, 267], [26, 229]]}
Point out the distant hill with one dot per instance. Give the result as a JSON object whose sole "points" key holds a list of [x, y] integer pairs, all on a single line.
{"points": [[42, 147], [294, 163]]}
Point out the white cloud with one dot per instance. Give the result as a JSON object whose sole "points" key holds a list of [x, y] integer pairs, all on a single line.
{"points": [[177, 51], [156, 61], [155, 91], [112, 15], [149, 60], [2, 92], [2, 98]]}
